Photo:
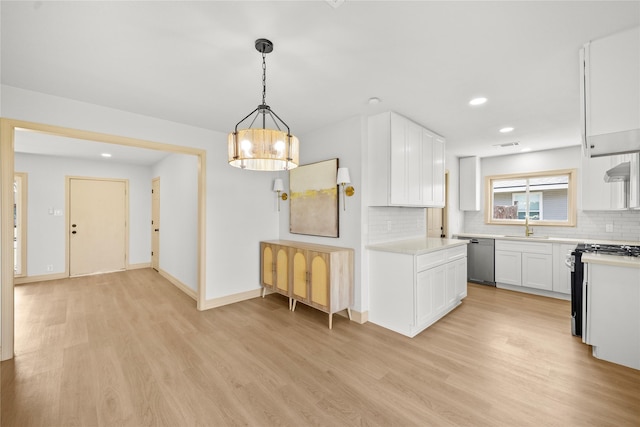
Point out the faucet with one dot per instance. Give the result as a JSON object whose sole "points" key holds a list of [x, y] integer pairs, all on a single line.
{"points": [[528, 231]]}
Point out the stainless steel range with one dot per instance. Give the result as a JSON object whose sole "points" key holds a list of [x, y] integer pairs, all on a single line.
{"points": [[577, 275]]}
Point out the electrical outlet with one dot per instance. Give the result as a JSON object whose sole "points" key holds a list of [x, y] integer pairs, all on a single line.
{"points": [[49, 267], [609, 228]]}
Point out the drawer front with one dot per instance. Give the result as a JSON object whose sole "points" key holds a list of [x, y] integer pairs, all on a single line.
{"points": [[430, 260], [527, 247], [456, 252]]}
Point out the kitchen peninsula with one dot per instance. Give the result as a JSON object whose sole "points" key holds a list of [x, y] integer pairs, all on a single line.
{"points": [[414, 283]]}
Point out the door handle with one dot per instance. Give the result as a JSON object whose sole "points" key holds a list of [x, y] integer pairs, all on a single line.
{"points": [[73, 225], [157, 229], [74, 232]]}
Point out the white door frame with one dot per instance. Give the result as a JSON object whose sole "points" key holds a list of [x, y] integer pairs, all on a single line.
{"points": [[7, 168], [155, 214]]}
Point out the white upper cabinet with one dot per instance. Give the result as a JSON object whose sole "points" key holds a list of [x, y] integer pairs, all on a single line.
{"points": [[610, 89], [470, 184], [406, 163]]}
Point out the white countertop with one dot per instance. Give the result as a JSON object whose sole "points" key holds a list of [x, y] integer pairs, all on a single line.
{"points": [[618, 261], [417, 246], [549, 239]]}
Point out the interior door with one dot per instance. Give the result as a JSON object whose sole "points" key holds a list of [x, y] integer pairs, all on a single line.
{"points": [[97, 226], [435, 222], [155, 224]]}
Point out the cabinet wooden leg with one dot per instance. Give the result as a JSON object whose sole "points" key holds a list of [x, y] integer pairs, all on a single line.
{"points": [[330, 320], [349, 313], [264, 291], [293, 306]]}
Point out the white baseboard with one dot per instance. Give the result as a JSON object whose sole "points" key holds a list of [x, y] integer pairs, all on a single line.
{"points": [[540, 292], [359, 316], [138, 266], [178, 284], [39, 278], [230, 299]]}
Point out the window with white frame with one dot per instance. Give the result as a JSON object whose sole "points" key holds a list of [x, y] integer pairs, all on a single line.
{"points": [[546, 198]]}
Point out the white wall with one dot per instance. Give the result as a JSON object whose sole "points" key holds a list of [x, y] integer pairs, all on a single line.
{"points": [[343, 141], [240, 204], [46, 180], [590, 225], [178, 175]]}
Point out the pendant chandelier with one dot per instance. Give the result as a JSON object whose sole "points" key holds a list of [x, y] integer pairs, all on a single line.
{"points": [[261, 148]]}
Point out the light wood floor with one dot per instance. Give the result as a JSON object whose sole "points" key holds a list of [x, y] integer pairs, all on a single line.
{"points": [[130, 349]]}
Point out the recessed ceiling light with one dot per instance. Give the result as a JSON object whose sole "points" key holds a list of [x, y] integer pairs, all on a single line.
{"points": [[105, 155], [374, 101], [506, 130], [478, 101]]}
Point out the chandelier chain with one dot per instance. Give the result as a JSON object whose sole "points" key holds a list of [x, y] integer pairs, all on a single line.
{"points": [[264, 79]]}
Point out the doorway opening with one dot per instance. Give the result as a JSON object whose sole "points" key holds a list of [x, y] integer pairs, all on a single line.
{"points": [[437, 225], [19, 224], [8, 129]]}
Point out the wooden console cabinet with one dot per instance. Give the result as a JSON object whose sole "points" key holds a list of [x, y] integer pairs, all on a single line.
{"points": [[316, 275]]}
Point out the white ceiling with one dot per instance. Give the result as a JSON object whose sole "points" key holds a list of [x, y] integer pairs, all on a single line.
{"points": [[195, 62]]}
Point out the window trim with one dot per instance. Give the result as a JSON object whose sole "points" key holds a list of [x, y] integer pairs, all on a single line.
{"points": [[571, 202]]}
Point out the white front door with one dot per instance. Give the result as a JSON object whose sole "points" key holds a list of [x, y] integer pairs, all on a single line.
{"points": [[97, 226]]}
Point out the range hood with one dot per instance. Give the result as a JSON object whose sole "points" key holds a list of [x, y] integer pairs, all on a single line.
{"points": [[618, 173], [614, 143]]}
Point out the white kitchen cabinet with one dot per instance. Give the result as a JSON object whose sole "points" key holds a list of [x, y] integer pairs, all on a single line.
{"points": [[406, 163], [561, 273], [610, 90], [410, 292], [613, 313], [469, 183], [508, 267], [527, 264], [537, 271], [456, 276], [598, 195], [433, 169]]}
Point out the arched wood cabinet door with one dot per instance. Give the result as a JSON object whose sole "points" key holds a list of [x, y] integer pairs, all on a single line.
{"points": [[282, 270], [320, 267], [267, 266], [300, 277]]}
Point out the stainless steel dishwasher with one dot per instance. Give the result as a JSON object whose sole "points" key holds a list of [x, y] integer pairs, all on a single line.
{"points": [[480, 261]]}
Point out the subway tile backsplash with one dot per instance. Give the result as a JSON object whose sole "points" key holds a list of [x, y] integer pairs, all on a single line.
{"points": [[590, 225], [396, 223]]}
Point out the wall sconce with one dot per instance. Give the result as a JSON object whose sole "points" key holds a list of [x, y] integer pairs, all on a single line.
{"points": [[343, 179], [279, 188]]}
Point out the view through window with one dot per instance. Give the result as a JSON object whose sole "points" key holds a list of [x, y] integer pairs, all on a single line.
{"points": [[546, 198]]}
